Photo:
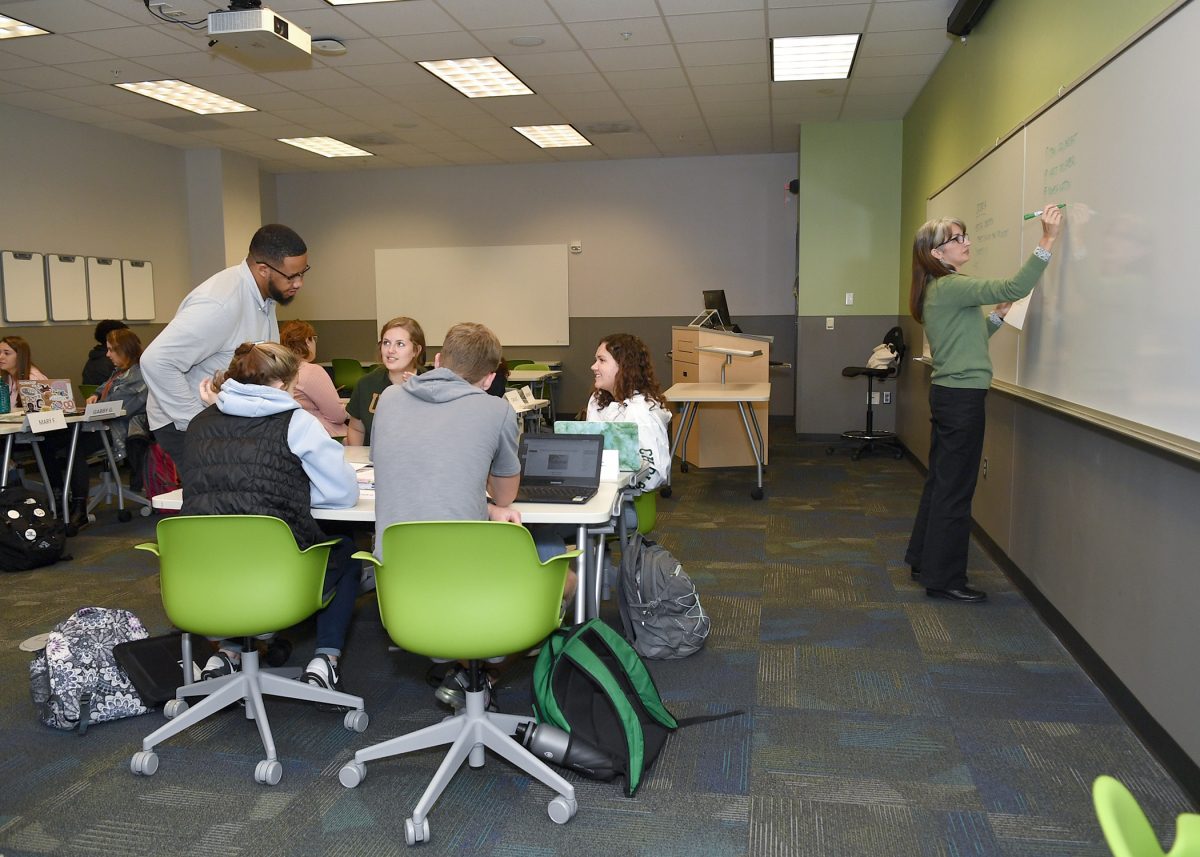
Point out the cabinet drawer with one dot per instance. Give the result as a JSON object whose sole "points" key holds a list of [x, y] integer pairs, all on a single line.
{"points": [[684, 372]]}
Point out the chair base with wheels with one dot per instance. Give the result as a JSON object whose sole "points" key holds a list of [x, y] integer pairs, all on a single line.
{"points": [[110, 485], [505, 601], [239, 576]]}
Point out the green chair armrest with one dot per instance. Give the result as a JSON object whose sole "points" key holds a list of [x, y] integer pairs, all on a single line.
{"points": [[366, 555], [568, 555], [147, 546], [1187, 836]]}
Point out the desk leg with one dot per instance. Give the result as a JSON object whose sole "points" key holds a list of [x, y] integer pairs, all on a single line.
{"points": [[70, 466], [584, 543], [757, 448], [8, 445], [36, 446]]}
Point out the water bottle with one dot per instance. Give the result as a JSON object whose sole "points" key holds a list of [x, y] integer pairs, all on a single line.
{"points": [[5, 404], [552, 744]]}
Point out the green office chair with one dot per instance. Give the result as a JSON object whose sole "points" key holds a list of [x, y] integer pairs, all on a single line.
{"points": [[469, 591], [1127, 831], [226, 576], [86, 391], [346, 373], [516, 364]]}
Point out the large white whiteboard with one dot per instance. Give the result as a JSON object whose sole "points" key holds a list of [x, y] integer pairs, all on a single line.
{"points": [[24, 276], [519, 292], [1113, 320]]}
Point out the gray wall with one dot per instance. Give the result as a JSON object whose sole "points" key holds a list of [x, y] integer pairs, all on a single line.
{"points": [[828, 402]]}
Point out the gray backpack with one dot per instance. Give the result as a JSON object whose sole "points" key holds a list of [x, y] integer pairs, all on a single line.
{"points": [[76, 680], [660, 610]]}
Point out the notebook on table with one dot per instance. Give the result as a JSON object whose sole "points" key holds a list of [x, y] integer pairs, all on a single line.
{"points": [[55, 394], [623, 437], [559, 468]]}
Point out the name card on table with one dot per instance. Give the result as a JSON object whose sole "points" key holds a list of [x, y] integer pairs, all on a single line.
{"points": [[103, 410], [41, 421]]}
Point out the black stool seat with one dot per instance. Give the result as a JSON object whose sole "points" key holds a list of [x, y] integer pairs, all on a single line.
{"points": [[868, 440]]}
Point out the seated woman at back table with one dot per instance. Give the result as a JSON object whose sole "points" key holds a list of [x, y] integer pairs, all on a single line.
{"points": [[627, 391], [314, 389], [402, 349], [130, 434], [255, 451], [16, 365]]}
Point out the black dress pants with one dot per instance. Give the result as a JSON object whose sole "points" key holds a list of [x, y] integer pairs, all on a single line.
{"points": [[942, 531]]}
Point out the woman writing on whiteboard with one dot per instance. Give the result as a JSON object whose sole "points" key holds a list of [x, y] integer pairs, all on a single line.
{"points": [[948, 304]]}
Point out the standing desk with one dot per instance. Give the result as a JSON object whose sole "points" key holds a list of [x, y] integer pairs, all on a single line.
{"points": [[691, 396], [592, 520]]}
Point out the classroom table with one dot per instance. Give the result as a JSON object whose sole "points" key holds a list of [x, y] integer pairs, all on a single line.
{"points": [[543, 379], [593, 520], [691, 396]]}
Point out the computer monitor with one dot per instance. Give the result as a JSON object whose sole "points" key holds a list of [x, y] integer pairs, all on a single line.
{"points": [[714, 299]]}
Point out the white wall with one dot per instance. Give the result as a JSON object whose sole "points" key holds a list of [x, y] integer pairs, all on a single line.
{"points": [[71, 188], [654, 232]]}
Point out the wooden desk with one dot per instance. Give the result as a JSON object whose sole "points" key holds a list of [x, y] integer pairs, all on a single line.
{"points": [[741, 396], [702, 355], [592, 520]]}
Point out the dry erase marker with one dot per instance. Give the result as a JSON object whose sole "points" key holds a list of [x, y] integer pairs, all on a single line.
{"points": [[1040, 211]]}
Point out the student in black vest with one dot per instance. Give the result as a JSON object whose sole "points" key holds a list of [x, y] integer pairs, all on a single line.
{"points": [[292, 465]]}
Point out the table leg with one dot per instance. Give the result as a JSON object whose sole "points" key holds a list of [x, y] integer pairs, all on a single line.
{"points": [[757, 448], [70, 466], [583, 542], [8, 445]]}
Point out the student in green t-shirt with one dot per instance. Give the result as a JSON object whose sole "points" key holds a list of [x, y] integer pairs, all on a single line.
{"points": [[402, 350]]}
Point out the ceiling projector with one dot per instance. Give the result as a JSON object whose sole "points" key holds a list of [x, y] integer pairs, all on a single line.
{"points": [[258, 33]]}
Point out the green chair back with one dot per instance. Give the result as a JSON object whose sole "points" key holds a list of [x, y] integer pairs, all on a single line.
{"points": [[646, 506], [466, 590], [346, 372], [86, 391], [536, 367], [514, 364], [1126, 829], [236, 575]]}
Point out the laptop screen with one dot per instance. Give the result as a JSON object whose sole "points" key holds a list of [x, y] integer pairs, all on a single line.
{"points": [[549, 459]]}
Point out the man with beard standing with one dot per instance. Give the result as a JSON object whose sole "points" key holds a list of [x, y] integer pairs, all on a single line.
{"points": [[234, 306]]}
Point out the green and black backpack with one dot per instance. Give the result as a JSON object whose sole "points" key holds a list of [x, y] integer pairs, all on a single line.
{"points": [[589, 682]]}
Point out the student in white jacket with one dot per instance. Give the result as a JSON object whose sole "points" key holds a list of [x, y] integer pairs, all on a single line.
{"points": [[627, 391]]}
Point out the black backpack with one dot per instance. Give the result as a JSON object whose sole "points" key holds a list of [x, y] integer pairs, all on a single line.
{"points": [[30, 536], [589, 682]]}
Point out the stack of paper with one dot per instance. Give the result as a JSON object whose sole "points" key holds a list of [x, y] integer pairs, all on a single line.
{"points": [[365, 474]]}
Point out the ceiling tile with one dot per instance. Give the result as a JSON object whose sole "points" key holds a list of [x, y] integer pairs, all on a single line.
{"points": [[650, 56], [905, 42], [718, 27], [73, 17], [910, 64], [817, 20], [186, 66], [400, 19], [558, 62], [361, 52], [591, 10], [909, 15], [135, 41], [42, 77], [313, 78], [36, 100], [591, 82], [907, 84], [646, 78], [733, 92], [692, 7], [650, 97], [725, 74], [484, 14], [876, 106], [725, 53], [53, 50], [556, 36], [611, 34], [436, 46]]}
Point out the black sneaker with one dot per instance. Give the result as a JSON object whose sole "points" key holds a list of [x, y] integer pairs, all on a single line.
{"points": [[322, 672], [453, 691], [219, 665]]}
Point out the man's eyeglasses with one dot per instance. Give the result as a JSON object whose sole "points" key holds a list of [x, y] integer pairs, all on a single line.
{"points": [[291, 278], [957, 239]]}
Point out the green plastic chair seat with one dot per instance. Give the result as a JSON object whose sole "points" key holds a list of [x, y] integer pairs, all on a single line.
{"points": [[1127, 831], [346, 373]]}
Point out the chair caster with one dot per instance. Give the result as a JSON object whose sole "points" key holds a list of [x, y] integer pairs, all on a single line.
{"points": [[356, 721], [665, 492], [146, 512], [174, 708], [561, 810], [352, 773], [124, 516], [144, 763], [412, 835], [268, 772], [683, 467], [756, 493]]}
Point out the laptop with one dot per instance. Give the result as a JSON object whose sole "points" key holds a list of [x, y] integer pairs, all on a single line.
{"points": [[559, 468], [623, 437], [55, 394]]}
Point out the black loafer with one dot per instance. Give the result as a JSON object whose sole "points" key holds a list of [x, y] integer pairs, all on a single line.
{"points": [[965, 594]]}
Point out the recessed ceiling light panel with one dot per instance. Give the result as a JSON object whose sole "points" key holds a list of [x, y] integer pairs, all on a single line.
{"points": [[11, 28], [477, 77], [184, 95], [327, 147], [552, 136], [813, 57]]}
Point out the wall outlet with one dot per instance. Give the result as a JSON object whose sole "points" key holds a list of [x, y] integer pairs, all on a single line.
{"points": [[849, 298], [887, 398], [829, 322], [575, 246], [874, 398]]}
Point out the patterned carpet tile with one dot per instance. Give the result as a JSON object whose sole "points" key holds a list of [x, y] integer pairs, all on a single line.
{"points": [[871, 627]]}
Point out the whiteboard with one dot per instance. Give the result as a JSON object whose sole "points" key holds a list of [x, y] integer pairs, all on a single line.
{"points": [[24, 276], [67, 276], [519, 292], [137, 280], [1111, 324], [104, 289]]}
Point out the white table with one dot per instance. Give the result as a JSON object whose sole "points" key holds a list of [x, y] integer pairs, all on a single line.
{"points": [[691, 396], [593, 520], [542, 378]]}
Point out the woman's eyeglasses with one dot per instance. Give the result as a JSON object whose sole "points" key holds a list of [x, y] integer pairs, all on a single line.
{"points": [[957, 239]]}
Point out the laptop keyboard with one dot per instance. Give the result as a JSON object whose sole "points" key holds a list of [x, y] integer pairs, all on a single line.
{"points": [[551, 492]]}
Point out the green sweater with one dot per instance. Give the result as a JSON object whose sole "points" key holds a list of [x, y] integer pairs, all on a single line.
{"points": [[958, 332]]}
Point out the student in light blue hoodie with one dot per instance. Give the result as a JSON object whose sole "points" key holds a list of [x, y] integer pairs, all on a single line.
{"points": [[255, 451]]}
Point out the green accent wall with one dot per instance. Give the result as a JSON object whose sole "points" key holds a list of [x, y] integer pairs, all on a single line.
{"points": [[1011, 65], [848, 217]]}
